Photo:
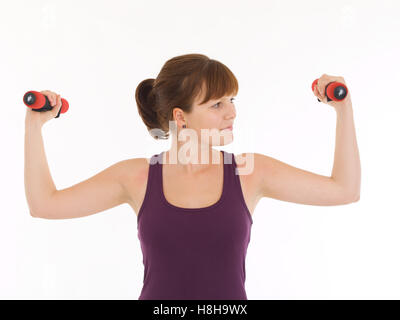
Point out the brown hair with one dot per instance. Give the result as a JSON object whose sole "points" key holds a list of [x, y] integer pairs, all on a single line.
{"points": [[178, 84]]}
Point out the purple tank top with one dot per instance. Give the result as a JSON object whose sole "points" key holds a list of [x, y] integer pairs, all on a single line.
{"points": [[194, 253]]}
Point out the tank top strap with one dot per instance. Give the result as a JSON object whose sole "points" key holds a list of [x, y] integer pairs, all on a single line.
{"points": [[233, 184], [230, 167], [153, 187], [157, 182], [155, 173], [232, 193]]}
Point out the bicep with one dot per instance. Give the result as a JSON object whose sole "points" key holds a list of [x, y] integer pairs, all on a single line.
{"points": [[102, 191], [281, 181]]}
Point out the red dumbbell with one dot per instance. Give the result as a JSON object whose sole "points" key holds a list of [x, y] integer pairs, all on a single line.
{"points": [[39, 102], [334, 90]]}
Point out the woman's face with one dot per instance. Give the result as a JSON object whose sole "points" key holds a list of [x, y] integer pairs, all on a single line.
{"points": [[207, 122]]}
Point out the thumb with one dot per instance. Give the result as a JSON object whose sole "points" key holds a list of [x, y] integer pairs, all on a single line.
{"points": [[57, 107]]}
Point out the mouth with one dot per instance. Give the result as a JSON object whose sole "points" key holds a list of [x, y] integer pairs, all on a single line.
{"points": [[229, 128]]}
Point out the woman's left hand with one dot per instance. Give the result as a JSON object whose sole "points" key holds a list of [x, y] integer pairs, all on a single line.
{"points": [[319, 91]]}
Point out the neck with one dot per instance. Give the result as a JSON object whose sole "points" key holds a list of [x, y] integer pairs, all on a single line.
{"points": [[192, 158]]}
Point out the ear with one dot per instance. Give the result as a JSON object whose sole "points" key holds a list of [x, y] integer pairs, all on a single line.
{"points": [[177, 115]]}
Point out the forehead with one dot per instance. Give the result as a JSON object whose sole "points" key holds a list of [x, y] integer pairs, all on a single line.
{"points": [[201, 95]]}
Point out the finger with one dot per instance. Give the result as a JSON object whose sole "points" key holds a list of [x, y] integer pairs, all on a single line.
{"points": [[50, 96], [58, 103], [319, 96], [322, 92], [321, 84], [58, 100], [316, 92], [323, 81], [46, 93], [53, 98]]}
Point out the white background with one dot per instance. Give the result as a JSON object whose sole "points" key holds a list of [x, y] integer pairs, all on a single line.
{"points": [[95, 53]]}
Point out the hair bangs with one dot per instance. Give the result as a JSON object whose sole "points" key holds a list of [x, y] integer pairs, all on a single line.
{"points": [[217, 81]]}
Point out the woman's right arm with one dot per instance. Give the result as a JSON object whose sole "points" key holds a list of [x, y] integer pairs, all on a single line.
{"points": [[98, 193], [39, 185]]}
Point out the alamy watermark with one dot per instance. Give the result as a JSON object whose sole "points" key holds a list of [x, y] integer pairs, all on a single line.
{"points": [[191, 152]]}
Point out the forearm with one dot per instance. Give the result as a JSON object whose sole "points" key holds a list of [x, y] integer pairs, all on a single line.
{"points": [[39, 184], [346, 168]]}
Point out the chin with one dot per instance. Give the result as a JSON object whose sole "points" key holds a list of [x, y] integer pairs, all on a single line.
{"points": [[224, 140]]}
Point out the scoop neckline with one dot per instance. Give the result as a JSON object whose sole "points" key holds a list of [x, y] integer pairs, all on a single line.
{"points": [[217, 203]]}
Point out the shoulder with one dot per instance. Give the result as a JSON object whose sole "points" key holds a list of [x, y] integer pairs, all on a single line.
{"points": [[133, 177], [247, 165], [248, 161], [134, 168], [132, 173], [250, 166]]}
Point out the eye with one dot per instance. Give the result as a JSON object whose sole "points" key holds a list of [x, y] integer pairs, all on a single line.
{"points": [[217, 104]]}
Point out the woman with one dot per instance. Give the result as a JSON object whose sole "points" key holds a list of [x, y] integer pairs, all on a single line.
{"points": [[194, 212]]}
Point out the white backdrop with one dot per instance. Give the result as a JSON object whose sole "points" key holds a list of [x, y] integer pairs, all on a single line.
{"points": [[95, 53]]}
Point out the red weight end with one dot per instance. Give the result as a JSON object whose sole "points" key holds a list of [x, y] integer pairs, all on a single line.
{"points": [[64, 106], [39, 99], [330, 90], [315, 82]]}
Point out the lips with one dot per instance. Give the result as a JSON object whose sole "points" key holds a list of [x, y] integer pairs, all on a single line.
{"points": [[230, 128]]}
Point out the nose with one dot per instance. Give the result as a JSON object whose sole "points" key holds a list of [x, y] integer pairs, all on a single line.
{"points": [[232, 113]]}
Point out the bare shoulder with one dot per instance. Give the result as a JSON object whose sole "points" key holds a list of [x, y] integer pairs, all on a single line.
{"points": [[135, 171], [253, 167], [246, 164], [134, 180], [136, 166]]}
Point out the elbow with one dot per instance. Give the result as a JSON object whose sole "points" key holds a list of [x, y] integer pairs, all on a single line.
{"points": [[356, 197], [34, 214], [350, 198]]}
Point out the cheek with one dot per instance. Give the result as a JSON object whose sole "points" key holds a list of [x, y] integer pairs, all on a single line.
{"points": [[211, 120]]}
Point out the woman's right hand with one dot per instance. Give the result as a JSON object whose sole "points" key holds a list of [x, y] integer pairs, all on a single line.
{"points": [[40, 118]]}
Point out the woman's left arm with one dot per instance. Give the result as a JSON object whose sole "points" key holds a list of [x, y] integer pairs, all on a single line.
{"points": [[346, 167], [276, 179]]}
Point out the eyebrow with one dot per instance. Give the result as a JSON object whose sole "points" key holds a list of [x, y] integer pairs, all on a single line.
{"points": [[216, 100], [220, 99]]}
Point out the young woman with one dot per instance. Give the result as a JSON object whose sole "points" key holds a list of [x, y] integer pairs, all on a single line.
{"points": [[194, 212]]}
